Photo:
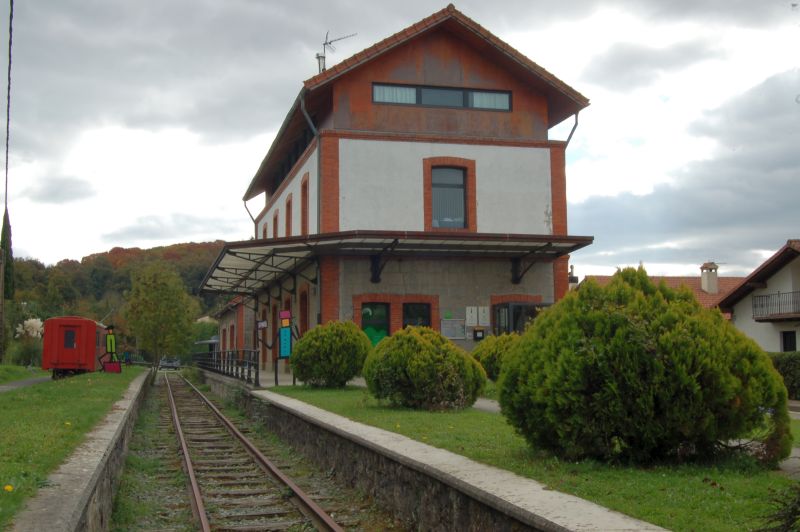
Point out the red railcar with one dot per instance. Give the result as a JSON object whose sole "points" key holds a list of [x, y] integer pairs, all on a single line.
{"points": [[72, 345]]}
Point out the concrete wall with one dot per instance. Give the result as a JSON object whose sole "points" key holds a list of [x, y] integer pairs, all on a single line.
{"points": [[80, 493], [424, 487], [458, 283], [381, 184]]}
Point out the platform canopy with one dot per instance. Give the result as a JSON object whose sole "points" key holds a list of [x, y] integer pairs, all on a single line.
{"points": [[249, 266]]}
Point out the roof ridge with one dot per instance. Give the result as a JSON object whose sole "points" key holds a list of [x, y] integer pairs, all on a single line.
{"points": [[449, 12]]}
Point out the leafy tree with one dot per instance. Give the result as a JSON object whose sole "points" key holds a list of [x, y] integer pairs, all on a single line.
{"points": [[100, 275], [160, 311], [638, 372], [61, 295]]}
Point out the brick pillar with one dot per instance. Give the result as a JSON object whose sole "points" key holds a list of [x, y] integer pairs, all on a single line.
{"points": [[329, 283]]}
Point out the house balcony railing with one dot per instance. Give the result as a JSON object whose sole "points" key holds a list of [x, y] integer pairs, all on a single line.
{"points": [[777, 307]]}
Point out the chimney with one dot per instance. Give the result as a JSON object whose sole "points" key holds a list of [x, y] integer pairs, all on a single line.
{"points": [[708, 278], [573, 279], [321, 62]]}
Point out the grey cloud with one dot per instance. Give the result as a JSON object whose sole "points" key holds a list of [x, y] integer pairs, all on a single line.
{"points": [[627, 66], [177, 227], [743, 199], [59, 190], [231, 69]]}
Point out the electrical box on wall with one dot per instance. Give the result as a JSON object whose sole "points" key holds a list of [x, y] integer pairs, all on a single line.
{"points": [[472, 317], [483, 316]]}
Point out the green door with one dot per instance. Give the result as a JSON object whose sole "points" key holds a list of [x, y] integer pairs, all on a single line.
{"points": [[375, 321]]}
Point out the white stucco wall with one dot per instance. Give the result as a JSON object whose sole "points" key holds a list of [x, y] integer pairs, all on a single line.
{"points": [[768, 334], [381, 185], [293, 188]]}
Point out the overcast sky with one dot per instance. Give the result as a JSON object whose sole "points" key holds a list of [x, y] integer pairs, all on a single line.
{"points": [[142, 123]]}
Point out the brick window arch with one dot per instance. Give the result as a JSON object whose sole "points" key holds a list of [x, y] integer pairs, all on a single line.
{"points": [[288, 223], [470, 223]]}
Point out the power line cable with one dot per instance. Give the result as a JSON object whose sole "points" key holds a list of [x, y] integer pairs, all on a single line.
{"points": [[8, 93]]}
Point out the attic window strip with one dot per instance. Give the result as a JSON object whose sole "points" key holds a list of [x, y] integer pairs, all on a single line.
{"points": [[441, 97]]}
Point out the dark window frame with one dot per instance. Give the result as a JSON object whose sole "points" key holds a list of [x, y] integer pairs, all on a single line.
{"points": [[788, 341], [466, 97], [462, 187], [70, 338], [408, 305]]}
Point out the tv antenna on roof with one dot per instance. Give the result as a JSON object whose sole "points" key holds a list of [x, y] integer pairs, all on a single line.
{"points": [[328, 45]]}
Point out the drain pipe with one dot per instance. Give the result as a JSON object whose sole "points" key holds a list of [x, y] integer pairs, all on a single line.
{"points": [[574, 127], [255, 229], [302, 98]]}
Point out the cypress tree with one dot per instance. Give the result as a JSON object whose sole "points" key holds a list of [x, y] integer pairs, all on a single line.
{"points": [[8, 256]]}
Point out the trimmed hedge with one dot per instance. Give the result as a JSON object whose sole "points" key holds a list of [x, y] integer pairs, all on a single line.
{"points": [[788, 365], [330, 355], [491, 350], [419, 368], [635, 372]]}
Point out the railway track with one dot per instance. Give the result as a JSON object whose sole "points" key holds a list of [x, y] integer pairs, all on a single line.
{"points": [[233, 486]]}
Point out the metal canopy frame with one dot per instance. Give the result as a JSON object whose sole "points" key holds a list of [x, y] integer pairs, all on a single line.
{"points": [[245, 267]]}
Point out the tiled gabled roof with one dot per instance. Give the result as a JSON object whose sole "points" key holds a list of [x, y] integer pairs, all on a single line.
{"points": [[448, 13], [724, 286], [760, 275]]}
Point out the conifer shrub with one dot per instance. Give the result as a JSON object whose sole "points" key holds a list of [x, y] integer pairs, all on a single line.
{"points": [[635, 372], [491, 350], [419, 368], [788, 365], [330, 355]]}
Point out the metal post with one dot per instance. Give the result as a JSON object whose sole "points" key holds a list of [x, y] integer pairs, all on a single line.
{"points": [[257, 382]]}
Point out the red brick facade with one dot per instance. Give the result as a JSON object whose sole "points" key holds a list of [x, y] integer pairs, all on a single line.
{"points": [[395, 302]]}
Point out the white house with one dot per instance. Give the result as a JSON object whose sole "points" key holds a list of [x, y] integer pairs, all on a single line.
{"points": [[766, 304]]}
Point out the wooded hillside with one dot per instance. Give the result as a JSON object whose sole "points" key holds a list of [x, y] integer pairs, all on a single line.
{"points": [[96, 286]]}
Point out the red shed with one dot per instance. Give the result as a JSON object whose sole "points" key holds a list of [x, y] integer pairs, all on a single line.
{"points": [[72, 345]]}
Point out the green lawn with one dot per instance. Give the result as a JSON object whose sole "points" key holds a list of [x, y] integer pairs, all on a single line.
{"points": [[796, 432], [41, 425], [10, 373], [731, 494]]}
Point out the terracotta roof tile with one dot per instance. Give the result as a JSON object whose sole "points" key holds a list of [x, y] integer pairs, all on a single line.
{"points": [[724, 284]]}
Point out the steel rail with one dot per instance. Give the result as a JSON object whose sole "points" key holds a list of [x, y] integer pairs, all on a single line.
{"points": [[194, 488], [322, 521]]}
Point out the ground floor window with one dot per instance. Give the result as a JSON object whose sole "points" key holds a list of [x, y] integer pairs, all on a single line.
{"points": [[513, 317], [416, 314], [375, 321], [788, 341]]}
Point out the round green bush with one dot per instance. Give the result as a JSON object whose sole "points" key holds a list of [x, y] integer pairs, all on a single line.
{"points": [[641, 373], [330, 355], [491, 350], [419, 368]]}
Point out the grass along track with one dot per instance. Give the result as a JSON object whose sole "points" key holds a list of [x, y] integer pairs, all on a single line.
{"points": [[156, 502], [728, 494]]}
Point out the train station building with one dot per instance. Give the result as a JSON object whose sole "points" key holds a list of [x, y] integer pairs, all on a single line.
{"points": [[412, 183]]}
